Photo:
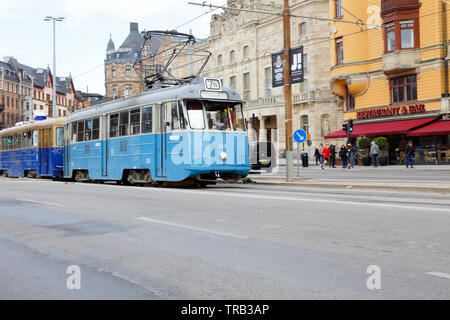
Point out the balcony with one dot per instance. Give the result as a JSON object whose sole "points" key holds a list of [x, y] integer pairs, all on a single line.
{"points": [[387, 5], [400, 61], [303, 97]]}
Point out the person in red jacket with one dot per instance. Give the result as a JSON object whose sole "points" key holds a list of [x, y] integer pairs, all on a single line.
{"points": [[325, 155]]}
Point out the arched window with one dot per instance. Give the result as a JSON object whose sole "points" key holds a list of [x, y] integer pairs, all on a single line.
{"points": [[219, 60], [246, 51]]}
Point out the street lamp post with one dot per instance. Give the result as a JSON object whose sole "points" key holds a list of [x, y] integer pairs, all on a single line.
{"points": [[50, 18], [288, 91]]}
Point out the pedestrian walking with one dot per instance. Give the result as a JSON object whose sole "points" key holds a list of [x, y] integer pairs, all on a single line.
{"points": [[332, 156], [343, 156], [351, 154], [321, 147], [317, 156], [410, 154], [374, 151], [325, 155]]}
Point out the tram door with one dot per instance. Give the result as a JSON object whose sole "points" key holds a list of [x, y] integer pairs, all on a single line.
{"points": [[162, 141], [104, 137]]}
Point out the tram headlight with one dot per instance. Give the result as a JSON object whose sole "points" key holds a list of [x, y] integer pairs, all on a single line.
{"points": [[223, 155]]}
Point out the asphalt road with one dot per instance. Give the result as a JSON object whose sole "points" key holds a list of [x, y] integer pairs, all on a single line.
{"points": [[224, 242]]}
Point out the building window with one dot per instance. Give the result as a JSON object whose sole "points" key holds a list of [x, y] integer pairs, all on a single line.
{"points": [[114, 91], [232, 56], [350, 100], [113, 71], [305, 63], [338, 6], [128, 71], [407, 34], [268, 82], [246, 51], [219, 59], [339, 51], [404, 89], [390, 37], [128, 90], [302, 29], [304, 123], [233, 82], [305, 85], [247, 86]]}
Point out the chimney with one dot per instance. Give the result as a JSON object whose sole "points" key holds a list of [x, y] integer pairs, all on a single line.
{"points": [[134, 27]]}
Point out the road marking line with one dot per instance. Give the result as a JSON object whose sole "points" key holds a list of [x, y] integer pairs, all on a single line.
{"points": [[173, 224], [44, 203], [439, 274], [266, 197]]}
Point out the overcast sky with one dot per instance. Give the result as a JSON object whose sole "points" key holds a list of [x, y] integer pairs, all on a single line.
{"points": [[82, 37]]}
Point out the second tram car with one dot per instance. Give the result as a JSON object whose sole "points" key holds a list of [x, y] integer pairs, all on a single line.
{"points": [[33, 150], [195, 131]]}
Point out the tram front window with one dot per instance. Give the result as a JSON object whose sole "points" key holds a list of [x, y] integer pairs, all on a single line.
{"points": [[217, 116], [195, 114]]}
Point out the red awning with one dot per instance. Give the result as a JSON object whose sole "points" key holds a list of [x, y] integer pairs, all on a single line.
{"points": [[435, 128], [381, 128]]}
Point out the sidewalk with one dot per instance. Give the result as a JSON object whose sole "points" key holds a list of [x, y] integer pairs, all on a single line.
{"points": [[442, 187], [312, 164]]}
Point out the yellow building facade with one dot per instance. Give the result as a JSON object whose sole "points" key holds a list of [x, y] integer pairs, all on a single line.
{"points": [[391, 71]]}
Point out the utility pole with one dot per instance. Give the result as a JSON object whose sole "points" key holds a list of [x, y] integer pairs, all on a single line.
{"points": [[48, 18], [288, 91]]}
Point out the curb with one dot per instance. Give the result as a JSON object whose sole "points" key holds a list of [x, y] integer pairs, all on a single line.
{"points": [[355, 186]]}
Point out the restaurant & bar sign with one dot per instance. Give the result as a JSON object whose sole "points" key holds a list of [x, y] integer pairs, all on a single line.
{"points": [[391, 111]]}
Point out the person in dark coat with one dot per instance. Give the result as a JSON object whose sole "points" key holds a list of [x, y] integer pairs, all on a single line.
{"points": [[343, 155], [317, 155], [332, 156], [410, 154]]}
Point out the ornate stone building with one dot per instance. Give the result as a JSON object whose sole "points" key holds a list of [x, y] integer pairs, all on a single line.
{"points": [[242, 44], [121, 79]]}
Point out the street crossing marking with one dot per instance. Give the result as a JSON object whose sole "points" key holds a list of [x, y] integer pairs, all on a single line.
{"points": [[439, 274], [177, 225]]}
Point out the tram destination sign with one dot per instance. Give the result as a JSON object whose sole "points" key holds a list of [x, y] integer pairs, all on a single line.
{"points": [[391, 111]]}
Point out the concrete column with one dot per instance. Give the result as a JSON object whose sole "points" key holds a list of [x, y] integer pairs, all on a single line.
{"points": [[262, 129]]}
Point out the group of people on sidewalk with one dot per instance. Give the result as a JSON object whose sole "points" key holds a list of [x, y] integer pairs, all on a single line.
{"points": [[327, 155]]}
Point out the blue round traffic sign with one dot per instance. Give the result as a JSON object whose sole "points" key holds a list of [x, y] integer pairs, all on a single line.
{"points": [[300, 136]]}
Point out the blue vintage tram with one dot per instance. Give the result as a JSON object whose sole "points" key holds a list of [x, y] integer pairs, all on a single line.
{"points": [[33, 150], [190, 132]]}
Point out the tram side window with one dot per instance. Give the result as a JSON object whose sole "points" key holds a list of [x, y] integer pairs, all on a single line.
{"points": [[88, 130], [175, 119], [35, 138], [135, 121], [95, 128], [124, 125], [59, 136], [10, 142], [74, 131], [80, 131], [183, 120], [24, 140], [114, 125], [147, 119], [29, 139]]}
